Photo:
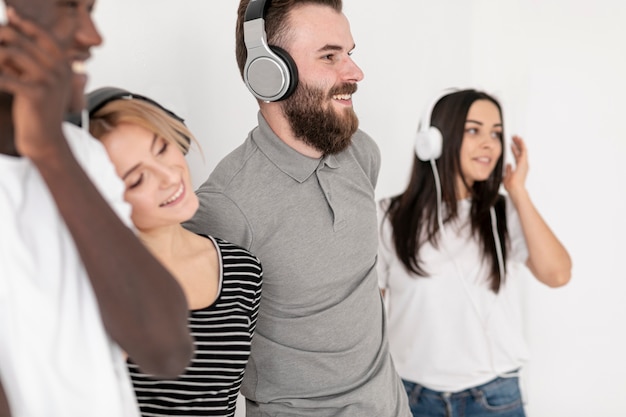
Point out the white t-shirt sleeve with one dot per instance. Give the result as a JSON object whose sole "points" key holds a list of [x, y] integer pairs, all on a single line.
{"points": [[94, 159], [519, 250], [385, 245]]}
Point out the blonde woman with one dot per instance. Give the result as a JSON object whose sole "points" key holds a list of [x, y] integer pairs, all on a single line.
{"points": [[222, 282]]}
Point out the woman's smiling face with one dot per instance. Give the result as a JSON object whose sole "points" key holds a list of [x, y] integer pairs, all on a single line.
{"points": [[156, 176]]}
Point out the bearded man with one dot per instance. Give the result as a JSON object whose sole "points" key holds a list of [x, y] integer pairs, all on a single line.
{"points": [[299, 193]]}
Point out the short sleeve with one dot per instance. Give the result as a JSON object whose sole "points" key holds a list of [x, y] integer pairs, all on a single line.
{"points": [[518, 249], [219, 216]]}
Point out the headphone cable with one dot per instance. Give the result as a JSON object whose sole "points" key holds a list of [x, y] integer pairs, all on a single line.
{"points": [[84, 118], [483, 321]]}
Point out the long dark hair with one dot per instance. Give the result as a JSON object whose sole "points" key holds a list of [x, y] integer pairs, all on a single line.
{"points": [[413, 214]]}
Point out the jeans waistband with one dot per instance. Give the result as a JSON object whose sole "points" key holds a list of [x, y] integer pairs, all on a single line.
{"points": [[472, 391]]}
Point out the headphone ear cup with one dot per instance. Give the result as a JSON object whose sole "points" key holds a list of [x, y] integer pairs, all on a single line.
{"points": [[292, 69], [428, 144], [272, 75]]}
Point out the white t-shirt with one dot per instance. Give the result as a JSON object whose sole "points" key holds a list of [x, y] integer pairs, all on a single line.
{"points": [[436, 330], [56, 358]]}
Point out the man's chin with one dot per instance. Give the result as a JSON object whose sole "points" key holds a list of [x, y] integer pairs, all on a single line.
{"points": [[347, 114]]}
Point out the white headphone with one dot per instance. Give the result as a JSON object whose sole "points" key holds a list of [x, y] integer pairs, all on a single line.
{"points": [[428, 139]]}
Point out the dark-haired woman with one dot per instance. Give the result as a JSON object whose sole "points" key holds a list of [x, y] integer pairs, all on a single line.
{"points": [[451, 258]]}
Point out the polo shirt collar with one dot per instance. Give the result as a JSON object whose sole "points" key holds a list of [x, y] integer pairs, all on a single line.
{"points": [[291, 162]]}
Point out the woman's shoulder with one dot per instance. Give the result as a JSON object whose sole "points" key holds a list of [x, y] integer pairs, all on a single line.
{"points": [[223, 243], [234, 255]]}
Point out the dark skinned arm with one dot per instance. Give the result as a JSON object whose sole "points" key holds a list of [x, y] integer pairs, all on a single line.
{"points": [[5, 411], [142, 306]]}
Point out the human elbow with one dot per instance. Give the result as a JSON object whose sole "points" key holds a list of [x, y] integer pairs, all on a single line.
{"points": [[168, 361], [559, 278], [554, 275]]}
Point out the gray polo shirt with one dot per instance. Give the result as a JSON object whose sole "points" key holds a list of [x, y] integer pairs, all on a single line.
{"points": [[320, 347]]}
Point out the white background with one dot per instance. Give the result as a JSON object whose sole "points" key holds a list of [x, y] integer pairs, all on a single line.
{"points": [[559, 68]]}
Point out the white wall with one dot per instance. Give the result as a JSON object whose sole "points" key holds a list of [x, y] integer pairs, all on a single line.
{"points": [[559, 67]]}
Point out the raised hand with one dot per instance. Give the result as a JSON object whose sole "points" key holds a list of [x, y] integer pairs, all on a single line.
{"points": [[35, 71], [514, 179]]}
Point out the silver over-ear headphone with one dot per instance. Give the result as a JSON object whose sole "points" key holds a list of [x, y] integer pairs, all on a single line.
{"points": [[269, 72], [428, 139]]}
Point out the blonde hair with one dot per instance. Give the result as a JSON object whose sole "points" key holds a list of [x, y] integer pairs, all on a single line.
{"points": [[141, 113]]}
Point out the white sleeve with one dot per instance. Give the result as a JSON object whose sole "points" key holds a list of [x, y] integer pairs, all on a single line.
{"points": [[518, 249], [94, 159], [385, 245]]}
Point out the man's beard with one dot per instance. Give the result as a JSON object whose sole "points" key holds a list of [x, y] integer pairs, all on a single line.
{"points": [[317, 126]]}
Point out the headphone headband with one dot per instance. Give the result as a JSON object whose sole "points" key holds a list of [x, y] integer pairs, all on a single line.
{"points": [[425, 121], [428, 139], [102, 96], [256, 9]]}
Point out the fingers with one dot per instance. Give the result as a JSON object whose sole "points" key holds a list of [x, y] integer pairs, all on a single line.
{"points": [[518, 148], [518, 176], [26, 51], [34, 70], [40, 37], [22, 61], [519, 142]]}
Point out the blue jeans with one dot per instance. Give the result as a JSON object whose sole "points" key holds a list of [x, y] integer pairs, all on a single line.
{"points": [[500, 397]]}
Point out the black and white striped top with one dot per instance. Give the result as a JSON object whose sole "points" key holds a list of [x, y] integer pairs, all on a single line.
{"points": [[222, 334]]}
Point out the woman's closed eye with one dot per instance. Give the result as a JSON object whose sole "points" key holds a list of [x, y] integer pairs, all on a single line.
{"points": [[135, 183], [164, 145]]}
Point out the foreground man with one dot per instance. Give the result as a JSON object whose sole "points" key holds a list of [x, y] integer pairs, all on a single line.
{"points": [[76, 286]]}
